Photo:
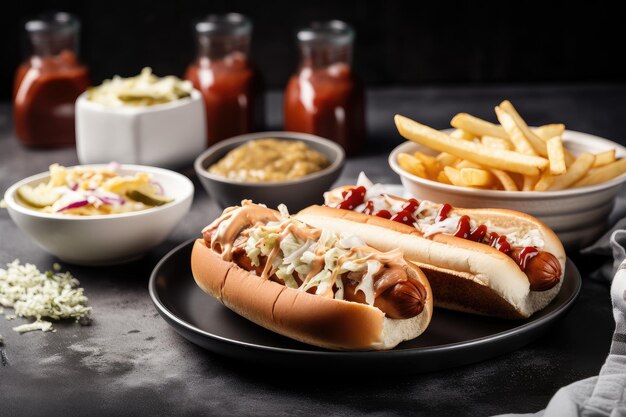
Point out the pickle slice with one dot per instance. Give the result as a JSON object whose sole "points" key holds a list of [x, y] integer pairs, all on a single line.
{"points": [[147, 198], [38, 197]]}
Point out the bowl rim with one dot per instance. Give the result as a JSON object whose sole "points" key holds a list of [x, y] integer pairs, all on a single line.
{"points": [[13, 204], [336, 164], [82, 100], [577, 136]]}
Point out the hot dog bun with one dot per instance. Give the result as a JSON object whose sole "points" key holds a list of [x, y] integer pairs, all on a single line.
{"points": [[313, 319], [464, 275]]}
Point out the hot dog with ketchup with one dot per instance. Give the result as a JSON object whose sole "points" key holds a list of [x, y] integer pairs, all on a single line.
{"points": [[492, 262], [320, 287]]}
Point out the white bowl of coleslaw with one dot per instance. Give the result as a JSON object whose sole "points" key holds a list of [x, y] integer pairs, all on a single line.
{"points": [[89, 224]]}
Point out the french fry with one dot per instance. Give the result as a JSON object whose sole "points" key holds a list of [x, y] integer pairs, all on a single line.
{"points": [[515, 132], [604, 158], [412, 165], [464, 163], [574, 173], [462, 134], [478, 127], [475, 177], [603, 173], [443, 178], [569, 157], [505, 179], [426, 159], [497, 143], [544, 182], [556, 156], [454, 176], [546, 132], [475, 152], [444, 158], [529, 182], [430, 163], [535, 141]]}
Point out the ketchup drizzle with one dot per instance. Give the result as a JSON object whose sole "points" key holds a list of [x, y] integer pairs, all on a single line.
{"points": [[478, 234], [410, 205], [499, 242], [404, 217], [526, 255], [406, 213], [443, 212], [356, 196], [463, 228], [352, 198]]}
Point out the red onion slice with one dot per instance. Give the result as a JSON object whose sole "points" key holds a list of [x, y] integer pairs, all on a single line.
{"points": [[74, 205], [111, 200]]}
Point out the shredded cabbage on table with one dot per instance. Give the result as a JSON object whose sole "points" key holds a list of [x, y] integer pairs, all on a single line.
{"points": [[55, 295]]}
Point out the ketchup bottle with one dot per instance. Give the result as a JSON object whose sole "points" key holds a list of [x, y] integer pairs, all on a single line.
{"points": [[325, 97], [48, 82], [227, 79]]}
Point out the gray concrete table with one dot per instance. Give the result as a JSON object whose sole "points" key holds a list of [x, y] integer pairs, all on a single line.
{"points": [[130, 362]]}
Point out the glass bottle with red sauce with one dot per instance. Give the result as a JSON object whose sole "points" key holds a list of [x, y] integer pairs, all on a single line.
{"points": [[48, 83], [226, 77], [325, 97]]}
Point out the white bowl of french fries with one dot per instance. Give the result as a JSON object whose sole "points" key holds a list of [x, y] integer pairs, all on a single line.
{"points": [[567, 179]]}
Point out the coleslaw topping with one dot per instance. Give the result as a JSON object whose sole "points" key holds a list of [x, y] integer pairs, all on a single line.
{"points": [[87, 191], [145, 89], [302, 257], [53, 294]]}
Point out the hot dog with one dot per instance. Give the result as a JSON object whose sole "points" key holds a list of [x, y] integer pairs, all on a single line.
{"points": [[492, 262], [308, 283]]}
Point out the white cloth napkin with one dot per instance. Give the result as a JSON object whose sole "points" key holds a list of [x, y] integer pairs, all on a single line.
{"points": [[605, 394]]}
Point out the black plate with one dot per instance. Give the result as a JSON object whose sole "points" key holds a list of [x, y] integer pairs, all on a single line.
{"points": [[452, 339]]}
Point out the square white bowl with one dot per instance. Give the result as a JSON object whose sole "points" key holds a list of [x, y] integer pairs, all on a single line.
{"points": [[164, 135]]}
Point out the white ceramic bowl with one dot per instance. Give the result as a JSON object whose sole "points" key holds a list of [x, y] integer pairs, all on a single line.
{"points": [[104, 239], [165, 135], [578, 216]]}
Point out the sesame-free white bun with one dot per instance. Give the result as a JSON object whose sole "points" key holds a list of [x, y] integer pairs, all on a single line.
{"points": [[464, 275], [312, 319]]}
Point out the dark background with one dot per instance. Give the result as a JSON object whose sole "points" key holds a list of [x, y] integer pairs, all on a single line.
{"points": [[409, 43]]}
